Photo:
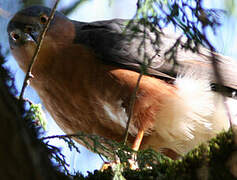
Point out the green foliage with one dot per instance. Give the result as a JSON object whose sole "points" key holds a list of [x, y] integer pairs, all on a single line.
{"points": [[207, 161], [117, 170], [36, 113], [189, 17]]}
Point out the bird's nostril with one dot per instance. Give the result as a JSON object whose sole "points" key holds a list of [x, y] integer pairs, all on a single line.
{"points": [[15, 36]]}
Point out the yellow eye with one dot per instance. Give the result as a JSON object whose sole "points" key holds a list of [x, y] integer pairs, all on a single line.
{"points": [[43, 19]]}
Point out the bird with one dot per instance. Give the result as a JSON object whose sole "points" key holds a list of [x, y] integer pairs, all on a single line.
{"points": [[86, 73]]}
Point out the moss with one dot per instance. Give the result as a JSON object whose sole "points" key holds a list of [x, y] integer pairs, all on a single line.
{"points": [[207, 161]]}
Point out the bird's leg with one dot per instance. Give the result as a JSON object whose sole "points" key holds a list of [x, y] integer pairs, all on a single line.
{"points": [[135, 147], [138, 140]]}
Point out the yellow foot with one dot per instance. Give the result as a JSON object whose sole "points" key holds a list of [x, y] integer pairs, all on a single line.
{"points": [[132, 165], [107, 165]]}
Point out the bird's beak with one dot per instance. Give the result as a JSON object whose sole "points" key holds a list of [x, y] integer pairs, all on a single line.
{"points": [[33, 36], [18, 37]]}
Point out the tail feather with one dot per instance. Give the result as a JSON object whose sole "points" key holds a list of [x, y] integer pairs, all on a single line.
{"points": [[194, 116]]}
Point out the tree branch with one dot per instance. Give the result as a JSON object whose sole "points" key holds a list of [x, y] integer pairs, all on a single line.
{"points": [[37, 50]]}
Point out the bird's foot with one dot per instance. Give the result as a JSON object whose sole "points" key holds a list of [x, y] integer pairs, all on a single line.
{"points": [[132, 164]]}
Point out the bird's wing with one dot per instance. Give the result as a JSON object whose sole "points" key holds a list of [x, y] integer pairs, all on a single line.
{"points": [[126, 50]]}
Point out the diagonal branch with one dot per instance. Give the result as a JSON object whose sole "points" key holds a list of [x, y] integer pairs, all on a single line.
{"points": [[37, 50], [131, 107]]}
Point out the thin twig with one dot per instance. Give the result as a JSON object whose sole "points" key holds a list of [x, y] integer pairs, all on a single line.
{"points": [[133, 96], [59, 157], [39, 44], [131, 106], [60, 136], [78, 135]]}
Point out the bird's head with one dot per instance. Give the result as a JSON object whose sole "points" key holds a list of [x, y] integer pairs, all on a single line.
{"points": [[24, 30]]}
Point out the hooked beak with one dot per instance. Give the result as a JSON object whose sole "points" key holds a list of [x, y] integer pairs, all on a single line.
{"points": [[34, 36], [17, 37]]}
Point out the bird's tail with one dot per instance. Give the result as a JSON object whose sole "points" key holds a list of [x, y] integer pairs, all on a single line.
{"points": [[193, 116]]}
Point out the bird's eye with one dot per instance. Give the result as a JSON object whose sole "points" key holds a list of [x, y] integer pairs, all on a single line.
{"points": [[43, 19], [15, 36]]}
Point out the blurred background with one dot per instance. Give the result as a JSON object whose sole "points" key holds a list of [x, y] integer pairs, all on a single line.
{"points": [[225, 41]]}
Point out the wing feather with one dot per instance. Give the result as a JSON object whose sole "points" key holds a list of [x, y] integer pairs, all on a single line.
{"points": [[126, 50]]}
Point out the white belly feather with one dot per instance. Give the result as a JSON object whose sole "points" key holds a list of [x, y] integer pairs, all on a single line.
{"points": [[194, 116]]}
